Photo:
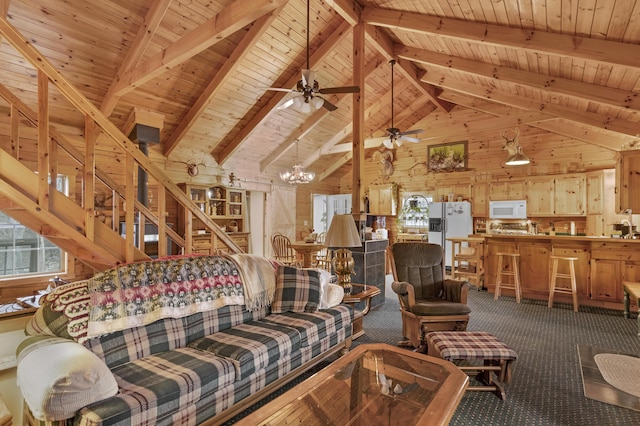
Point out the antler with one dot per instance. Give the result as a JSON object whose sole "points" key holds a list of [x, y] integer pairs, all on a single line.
{"points": [[515, 137]]}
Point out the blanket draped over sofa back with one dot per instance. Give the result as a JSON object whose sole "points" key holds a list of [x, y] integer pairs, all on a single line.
{"points": [[138, 294]]}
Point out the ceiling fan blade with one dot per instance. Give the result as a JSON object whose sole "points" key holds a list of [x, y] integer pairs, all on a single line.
{"points": [[409, 139], [280, 89], [344, 89], [329, 106], [411, 132], [285, 105]]}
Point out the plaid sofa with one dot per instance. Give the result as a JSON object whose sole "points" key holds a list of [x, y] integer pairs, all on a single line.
{"points": [[198, 368]]}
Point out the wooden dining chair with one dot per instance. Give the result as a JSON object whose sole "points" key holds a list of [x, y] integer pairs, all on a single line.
{"points": [[282, 250]]}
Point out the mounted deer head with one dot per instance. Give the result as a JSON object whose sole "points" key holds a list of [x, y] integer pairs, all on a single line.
{"points": [[511, 144]]}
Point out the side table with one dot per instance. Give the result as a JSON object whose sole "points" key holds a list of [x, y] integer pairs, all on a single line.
{"points": [[360, 293]]}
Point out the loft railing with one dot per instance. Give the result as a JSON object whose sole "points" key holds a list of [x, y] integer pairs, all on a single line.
{"points": [[44, 152]]}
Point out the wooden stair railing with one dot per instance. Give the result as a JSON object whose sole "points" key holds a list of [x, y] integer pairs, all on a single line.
{"points": [[72, 226]]}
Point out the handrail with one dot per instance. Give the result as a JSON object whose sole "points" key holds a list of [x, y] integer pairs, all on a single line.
{"points": [[23, 46]]}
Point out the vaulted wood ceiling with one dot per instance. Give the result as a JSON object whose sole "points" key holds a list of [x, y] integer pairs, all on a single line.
{"points": [[569, 68]]}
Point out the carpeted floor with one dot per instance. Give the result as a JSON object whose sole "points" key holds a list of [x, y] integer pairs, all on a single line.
{"points": [[547, 384]]}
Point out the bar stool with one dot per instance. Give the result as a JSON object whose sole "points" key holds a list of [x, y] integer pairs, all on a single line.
{"points": [[570, 276], [515, 273]]}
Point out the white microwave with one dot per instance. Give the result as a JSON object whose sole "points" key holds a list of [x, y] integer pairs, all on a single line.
{"points": [[508, 209]]}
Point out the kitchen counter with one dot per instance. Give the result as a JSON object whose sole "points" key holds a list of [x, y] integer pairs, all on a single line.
{"points": [[560, 237], [603, 263]]}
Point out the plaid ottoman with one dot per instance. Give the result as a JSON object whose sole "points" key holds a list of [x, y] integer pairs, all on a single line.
{"points": [[458, 346]]}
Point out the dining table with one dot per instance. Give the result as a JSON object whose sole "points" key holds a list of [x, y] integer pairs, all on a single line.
{"points": [[306, 250]]}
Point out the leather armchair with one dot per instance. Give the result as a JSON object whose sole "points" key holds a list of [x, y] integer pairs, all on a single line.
{"points": [[428, 300]]}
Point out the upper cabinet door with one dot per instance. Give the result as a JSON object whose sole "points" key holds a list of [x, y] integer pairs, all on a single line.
{"points": [[570, 197], [540, 197], [628, 181], [383, 200]]}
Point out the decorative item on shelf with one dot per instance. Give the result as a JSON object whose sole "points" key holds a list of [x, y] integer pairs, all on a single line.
{"points": [[297, 174], [516, 156], [343, 232], [233, 226]]}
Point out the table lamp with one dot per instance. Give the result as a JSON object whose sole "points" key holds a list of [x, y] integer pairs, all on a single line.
{"points": [[343, 233]]}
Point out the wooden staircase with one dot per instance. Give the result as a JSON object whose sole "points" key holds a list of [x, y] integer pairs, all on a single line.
{"points": [[27, 196]]}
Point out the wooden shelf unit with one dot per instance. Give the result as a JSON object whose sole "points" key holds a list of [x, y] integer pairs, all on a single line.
{"points": [[226, 207]]}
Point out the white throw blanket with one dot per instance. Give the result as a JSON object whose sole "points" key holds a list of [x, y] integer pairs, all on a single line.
{"points": [[258, 278]]}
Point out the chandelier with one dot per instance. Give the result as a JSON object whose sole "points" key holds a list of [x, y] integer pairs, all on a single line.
{"points": [[296, 174]]}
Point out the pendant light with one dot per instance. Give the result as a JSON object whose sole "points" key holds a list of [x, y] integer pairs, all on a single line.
{"points": [[296, 174]]}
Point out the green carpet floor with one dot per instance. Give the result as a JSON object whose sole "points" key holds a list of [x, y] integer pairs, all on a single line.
{"points": [[547, 384]]}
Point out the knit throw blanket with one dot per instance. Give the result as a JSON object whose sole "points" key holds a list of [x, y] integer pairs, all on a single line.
{"points": [[259, 278], [141, 293]]}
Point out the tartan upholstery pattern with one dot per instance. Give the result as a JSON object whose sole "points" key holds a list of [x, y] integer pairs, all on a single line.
{"points": [[129, 345], [203, 324], [161, 389], [297, 290], [154, 387], [251, 346], [454, 345], [314, 326], [210, 405]]}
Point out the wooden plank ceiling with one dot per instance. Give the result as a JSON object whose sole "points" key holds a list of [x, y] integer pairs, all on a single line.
{"points": [[565, 68]]}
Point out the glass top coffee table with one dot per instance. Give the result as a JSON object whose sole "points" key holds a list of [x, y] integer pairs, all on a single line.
{"points": [[374, 384]]}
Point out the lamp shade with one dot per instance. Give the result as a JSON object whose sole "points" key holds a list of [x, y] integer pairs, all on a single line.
{"points": [[343, 232], [518, 159]]}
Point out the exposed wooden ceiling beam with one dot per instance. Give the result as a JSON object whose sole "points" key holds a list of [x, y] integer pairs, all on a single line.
{"points": [[297, 134], [606, 51], [331, 42], [147, 30], [234, 17], [217, 82], [554, 125], [348, 9], [566, 112], [606, 96], [381, 42]]}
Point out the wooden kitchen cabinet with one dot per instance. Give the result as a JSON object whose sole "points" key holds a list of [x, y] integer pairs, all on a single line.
{"points": [[628, 181], [383, 200], [610, 265], [570, 195], [601, 212], [480, 200], [540, 197], [507, 191]]}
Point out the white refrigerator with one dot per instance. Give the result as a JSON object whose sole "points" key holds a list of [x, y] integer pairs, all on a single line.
{"points": [[449, 220]]}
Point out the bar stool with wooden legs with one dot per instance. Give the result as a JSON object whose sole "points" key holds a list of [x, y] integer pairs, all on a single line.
{"points": [[571, 276], [515, 273]]}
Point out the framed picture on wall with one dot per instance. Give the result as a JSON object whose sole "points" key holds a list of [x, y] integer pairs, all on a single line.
{"points": [[447, 157]]}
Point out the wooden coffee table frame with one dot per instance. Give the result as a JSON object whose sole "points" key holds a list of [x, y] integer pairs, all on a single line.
{"points": [[301, 400]]}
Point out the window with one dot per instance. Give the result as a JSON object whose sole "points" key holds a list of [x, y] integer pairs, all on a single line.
{"points": [[22, 251], [414, 216]]}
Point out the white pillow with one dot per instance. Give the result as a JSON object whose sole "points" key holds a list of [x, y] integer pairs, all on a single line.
{"points": [[333, 295], [59, 376]]}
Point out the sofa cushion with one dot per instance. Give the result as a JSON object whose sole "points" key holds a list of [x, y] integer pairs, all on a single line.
{"points": [[314, 326], [297, 290], [251, 346], [128, 345], [156, 387], [202, 324]]}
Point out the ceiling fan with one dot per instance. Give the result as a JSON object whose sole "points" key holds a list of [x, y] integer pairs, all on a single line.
{"points": [[393, 133], [308, 90]]}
